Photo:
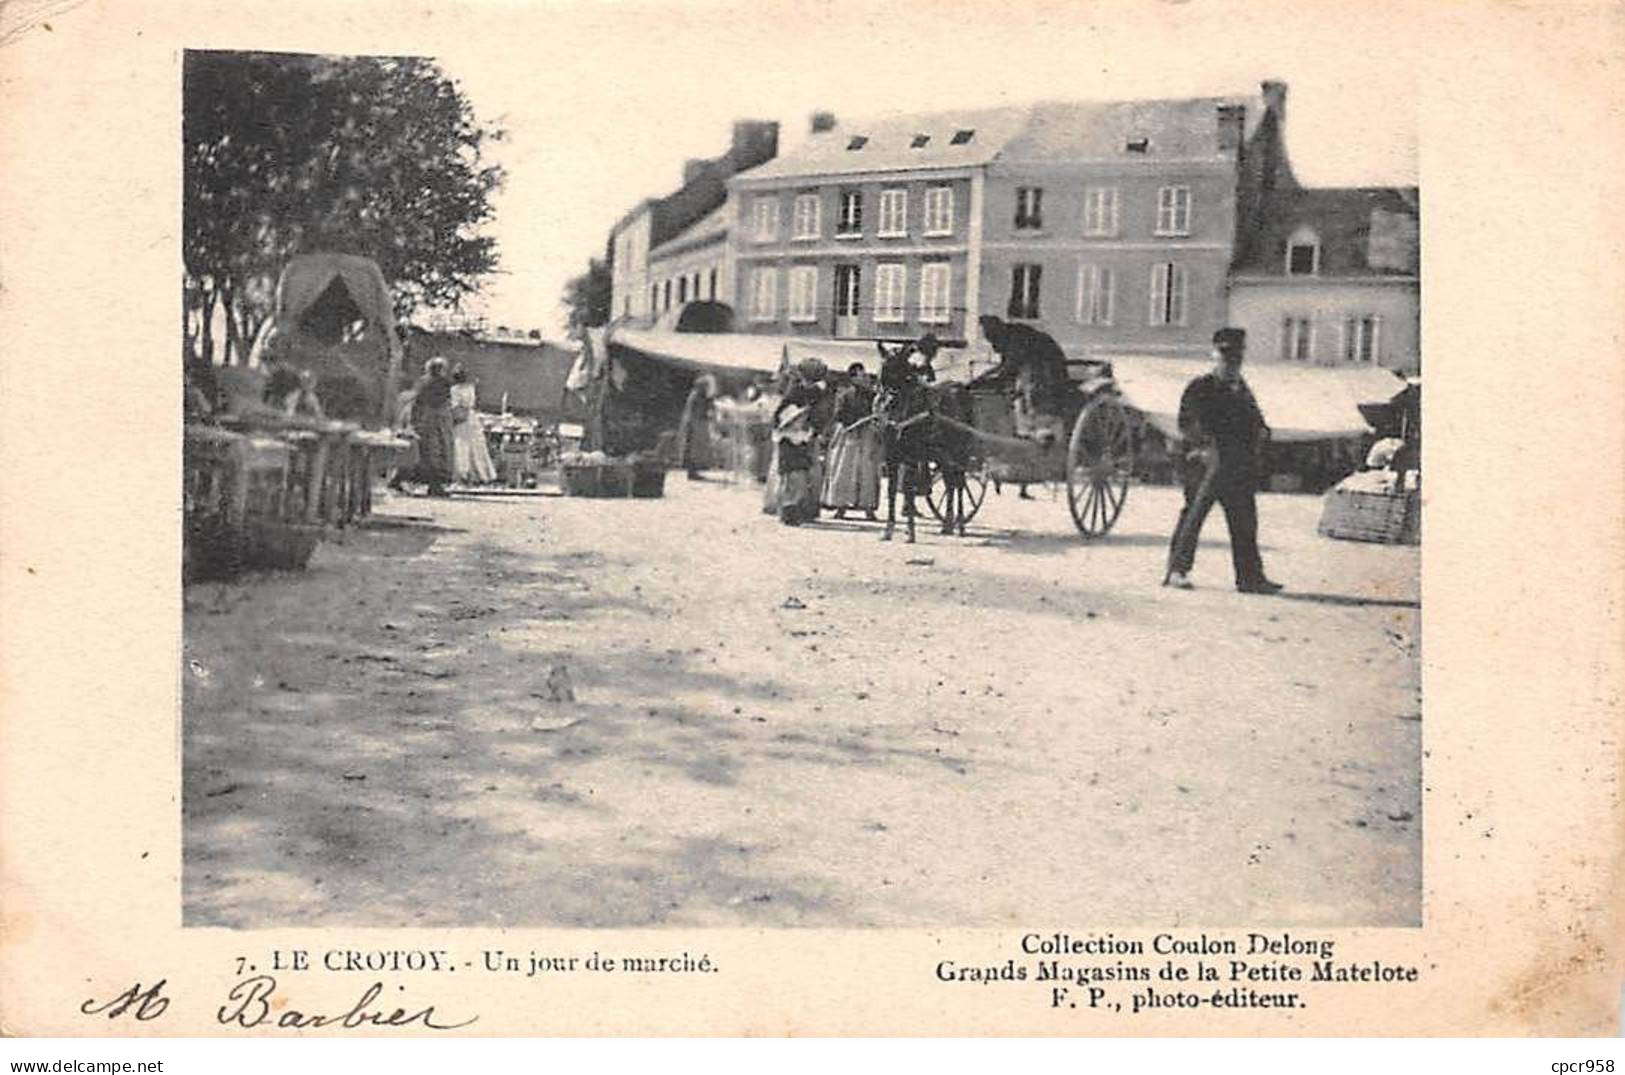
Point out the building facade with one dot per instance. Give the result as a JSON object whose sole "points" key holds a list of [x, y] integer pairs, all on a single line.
{"points": [[664, 248], [693, 265], [1133, 227], [867, 231], [1110, 226], [1333, 279]]}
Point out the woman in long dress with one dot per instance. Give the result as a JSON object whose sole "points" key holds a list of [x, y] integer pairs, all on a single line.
{"points": [[855, 449], [431, 420], [471, 459], [694, 431]]}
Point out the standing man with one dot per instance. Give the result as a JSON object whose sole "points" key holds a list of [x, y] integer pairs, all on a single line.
{"points": [[1224, 435]]}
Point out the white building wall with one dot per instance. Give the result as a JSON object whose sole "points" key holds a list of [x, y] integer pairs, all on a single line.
{"points": [[1260, 306], [629, 276]]}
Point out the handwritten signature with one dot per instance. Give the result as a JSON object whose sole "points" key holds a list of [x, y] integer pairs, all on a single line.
{"points": [[148, 1003], [252, 1002], [249, 1004]]}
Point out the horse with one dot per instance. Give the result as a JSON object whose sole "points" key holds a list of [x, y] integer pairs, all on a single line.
{"points": [[910, 407]]}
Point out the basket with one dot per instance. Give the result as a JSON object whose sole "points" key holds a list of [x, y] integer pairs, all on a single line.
{"points": [[1391, 517], [648, 480]]}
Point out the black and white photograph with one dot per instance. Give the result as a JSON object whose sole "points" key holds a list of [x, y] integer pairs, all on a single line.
{"points": [[810, 520], [852, 516]]}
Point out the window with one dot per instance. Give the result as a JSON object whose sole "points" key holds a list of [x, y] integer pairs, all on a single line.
{"points": [[667, 304], [1297, 339], [682, 290], [1137, 145], [1303, 253], [806, 217], [764, 295], [1169, 284], [939, 211], [936, 282], [712, 293], [1029, 207], [850, 220], [858, 142], [961, 138], [1362, 338], [654, 297], [1024, 280], [803, 291], [1100, 211], [1094, 295], [847, 279], [893, 213], [889, 292], [766, 220], [1174, 211], [920, 141]]}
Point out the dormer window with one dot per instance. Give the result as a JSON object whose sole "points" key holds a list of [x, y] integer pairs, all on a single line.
{"points": [[858, 142], [961, 138], [1303, 253], [1137, 145], [920, 141]]}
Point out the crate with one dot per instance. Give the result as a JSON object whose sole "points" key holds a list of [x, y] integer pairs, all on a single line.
{"points": [[1389, 517], [597, 479], [642, 480]]}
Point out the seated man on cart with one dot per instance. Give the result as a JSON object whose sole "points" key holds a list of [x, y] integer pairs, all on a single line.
{"points": [[1032, 369]]}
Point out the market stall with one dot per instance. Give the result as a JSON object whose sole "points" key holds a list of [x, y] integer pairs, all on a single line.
{"points": [[265, 475]]}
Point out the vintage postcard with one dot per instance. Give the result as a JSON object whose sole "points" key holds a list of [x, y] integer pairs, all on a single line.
{"points": [[610, 519]]}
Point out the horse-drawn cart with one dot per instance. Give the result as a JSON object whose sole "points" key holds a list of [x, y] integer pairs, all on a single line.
{"points": [[1088, 446]]}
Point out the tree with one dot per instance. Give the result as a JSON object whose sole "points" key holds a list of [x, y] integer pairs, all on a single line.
{"points": [[288, 154], [587, 297]]}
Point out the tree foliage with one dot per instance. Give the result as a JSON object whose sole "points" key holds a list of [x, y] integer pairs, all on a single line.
{"points": [[288, 154], [587, 297]]}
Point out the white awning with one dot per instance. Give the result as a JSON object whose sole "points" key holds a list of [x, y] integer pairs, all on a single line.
{"points": [[1299, 402]]}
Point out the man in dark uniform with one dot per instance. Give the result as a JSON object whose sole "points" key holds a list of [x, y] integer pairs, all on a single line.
{"points": [[1224, 435]]}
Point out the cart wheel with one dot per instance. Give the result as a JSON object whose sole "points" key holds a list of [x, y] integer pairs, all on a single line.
{"points": [[1099, 463], [975, 493]]}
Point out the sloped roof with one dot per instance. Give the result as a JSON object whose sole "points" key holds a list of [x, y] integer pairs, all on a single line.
{"points": [[1176, 128], [889, 143], [714, 224], [1173, 129], [1343, 219]]}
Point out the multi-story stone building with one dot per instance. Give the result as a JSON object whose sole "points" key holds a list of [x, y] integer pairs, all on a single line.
{"points": [[1110, 225], [868, 230], [670, 250], [1331, 278], [1133, 227]]}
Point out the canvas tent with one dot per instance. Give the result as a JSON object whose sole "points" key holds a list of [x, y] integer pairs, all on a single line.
{"points": [[334, 316]]}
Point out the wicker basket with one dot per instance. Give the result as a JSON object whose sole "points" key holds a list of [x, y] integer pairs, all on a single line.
{"points": [[648, 480], [1392, 517]]}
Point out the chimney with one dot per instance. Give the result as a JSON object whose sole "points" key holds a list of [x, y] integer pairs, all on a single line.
{"points": [[821, 122], [1232, 126], [1275, 99], [693, 168], [754, 142]]}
